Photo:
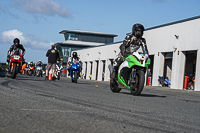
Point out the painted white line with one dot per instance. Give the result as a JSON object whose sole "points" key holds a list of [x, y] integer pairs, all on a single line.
{"points": [[41, 110]]}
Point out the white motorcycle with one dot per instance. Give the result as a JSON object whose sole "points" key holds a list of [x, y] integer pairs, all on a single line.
{"points": [[58, 71], [39, 71]]}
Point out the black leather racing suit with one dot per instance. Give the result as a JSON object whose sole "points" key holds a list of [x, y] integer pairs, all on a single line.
{"points": [[39, 64], [130, 44], [14, 47]]}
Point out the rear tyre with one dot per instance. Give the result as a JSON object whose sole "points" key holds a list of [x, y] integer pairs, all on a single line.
{"points": [[114, 86], [13, 73], [137, 87]]}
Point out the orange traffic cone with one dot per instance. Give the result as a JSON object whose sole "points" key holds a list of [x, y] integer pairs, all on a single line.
{"points": [[50, 74]]}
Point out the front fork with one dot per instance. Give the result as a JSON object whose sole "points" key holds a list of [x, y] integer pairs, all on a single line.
{"points": [[132, 80], [17, 66]]}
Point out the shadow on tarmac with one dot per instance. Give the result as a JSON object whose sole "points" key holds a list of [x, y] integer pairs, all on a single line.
{"points": [[144, 95]]}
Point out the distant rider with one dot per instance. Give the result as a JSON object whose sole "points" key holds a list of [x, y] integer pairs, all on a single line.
{"points": [[133, 42], [31, 64], [74, 57], [59, 64], [15, 46], [39, 63]]}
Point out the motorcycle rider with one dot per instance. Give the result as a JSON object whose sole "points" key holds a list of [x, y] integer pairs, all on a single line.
{"points": [[31, 64], [59, 64], [133, 42], [58, 67], [39, 63], [74, 57], [15, 46]]}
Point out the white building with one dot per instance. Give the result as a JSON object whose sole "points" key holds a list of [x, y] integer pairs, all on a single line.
{"points": [[174, 52]]}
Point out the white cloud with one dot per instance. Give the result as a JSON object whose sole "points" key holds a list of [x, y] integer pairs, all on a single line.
{"points": [[43, 7], [8, 37]]}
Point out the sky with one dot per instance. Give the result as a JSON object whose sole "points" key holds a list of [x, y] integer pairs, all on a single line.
{"points": [[37, 23]]}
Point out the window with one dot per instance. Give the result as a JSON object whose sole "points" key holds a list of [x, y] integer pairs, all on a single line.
{"points": [[70, 36], [66, 51]]}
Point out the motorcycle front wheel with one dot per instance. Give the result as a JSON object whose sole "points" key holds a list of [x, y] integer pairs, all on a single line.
{"points": [[38, 73], [13, 73], [75, 77], [30, 73], [137, 86], [58, 75]]}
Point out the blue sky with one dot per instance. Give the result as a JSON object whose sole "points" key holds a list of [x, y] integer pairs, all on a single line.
{"points": [[37, 23]]}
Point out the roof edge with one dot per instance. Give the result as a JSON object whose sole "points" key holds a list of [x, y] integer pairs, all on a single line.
{"points": [[179, 21], [87, 32]]}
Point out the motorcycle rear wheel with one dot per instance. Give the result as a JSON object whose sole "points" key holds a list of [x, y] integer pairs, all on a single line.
{"points": [[137, 87], [114, 86]]}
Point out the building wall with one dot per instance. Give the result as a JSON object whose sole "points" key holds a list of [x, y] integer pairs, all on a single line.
{"points": [[159, 40]]}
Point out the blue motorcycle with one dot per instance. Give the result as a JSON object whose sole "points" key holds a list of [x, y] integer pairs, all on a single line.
{"points": [[75, 70]]}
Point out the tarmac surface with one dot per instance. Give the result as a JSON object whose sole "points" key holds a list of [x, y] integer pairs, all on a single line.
{"points": [[29, 104]]}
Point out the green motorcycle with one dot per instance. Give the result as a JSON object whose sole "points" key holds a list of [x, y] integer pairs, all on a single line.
{"points": [[131, 73]]}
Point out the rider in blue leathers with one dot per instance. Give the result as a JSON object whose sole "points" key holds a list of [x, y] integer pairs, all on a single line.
{"points": [[74, 57]]}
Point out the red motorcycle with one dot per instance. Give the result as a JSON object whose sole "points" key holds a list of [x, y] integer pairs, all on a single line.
{"points": [[15, 63]]}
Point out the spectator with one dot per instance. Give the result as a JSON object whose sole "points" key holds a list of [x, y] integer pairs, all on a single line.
{"points": [[149, 75], [53, 56]]}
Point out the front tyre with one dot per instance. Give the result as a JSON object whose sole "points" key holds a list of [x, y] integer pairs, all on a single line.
{"points": [[38, 73], [30, 73], [58, 75], [137, 87], [75, 77], [13, 73]]}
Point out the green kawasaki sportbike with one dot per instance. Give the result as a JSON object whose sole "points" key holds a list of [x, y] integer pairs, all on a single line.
{"points": [[131, 73]]}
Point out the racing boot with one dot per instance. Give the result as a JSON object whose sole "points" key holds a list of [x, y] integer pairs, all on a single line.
{"points": [[53, 78], [46, 78]]}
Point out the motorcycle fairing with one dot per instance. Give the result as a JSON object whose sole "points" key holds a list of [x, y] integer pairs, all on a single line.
{"points": [[129, 62], [75, 67], [147, 63], [122, 69], [133, 61]]}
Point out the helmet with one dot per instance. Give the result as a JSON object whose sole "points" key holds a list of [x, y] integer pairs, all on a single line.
{"points": [[16, 40], [138, 27], [31, 62], [74, 54]]}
